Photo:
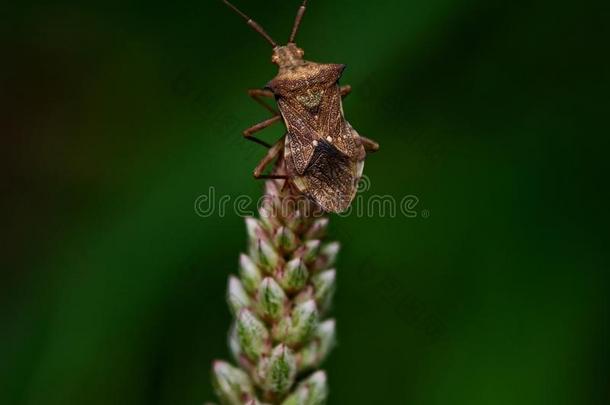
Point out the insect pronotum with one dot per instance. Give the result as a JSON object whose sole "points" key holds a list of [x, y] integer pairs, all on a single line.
{"points": [[324, 155]]}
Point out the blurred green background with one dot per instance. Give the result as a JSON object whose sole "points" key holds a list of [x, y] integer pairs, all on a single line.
{"points": [[116, 116]]}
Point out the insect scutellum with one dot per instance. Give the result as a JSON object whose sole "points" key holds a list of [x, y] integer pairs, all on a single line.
{"points": [[283, 55]]}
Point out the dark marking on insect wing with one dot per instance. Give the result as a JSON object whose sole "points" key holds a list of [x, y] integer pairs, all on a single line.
{"points": [[330, 178]]}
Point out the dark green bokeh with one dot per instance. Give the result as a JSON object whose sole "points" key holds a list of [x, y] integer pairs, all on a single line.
{"points": [[118, 115]]}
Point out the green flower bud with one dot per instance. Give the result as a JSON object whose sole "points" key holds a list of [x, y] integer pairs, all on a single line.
{"points": [[295, 221], [230, 383], [271, 299], [285, 239], [312, 249], [307, 358], [312, 391], [317, 350], [294, 276], [233, 341], [268, 222], [249, 273], [326, 335], [236, 351], [280, 371], [267, 255], [324, 284], [330, 251], [306, 294], [237, 296], [317, 229], [254, 229], [304, 322], [268, 218], [251, 334]]}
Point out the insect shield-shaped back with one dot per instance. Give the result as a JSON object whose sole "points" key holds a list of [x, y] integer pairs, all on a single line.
{"points": [[323, 153]]}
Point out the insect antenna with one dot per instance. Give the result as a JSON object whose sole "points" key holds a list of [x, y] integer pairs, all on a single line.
{"points": [[297, 21], [255, 26]]}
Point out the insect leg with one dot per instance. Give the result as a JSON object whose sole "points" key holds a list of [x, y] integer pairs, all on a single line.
{"points": [[257, 95], [369, 144], [345, 90], [259, 127], [265, 161], [272, 177]]}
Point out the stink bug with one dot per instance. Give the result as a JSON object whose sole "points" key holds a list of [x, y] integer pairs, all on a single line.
{"points": [[324, 155]]}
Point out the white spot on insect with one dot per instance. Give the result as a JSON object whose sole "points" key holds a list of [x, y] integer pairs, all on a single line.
{"points": [[315, 143], [329, 139]]}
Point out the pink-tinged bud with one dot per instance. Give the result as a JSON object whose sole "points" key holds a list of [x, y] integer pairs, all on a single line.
{"points": [[312, 355], [249, 273], [237, 296], [312, 391], [324, 285], [312, 250], [255, 231], [230, 383], [330, 251], [317, 229]]}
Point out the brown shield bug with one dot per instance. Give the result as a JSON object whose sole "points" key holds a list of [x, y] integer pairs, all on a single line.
{"points": [[324, 155]]}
